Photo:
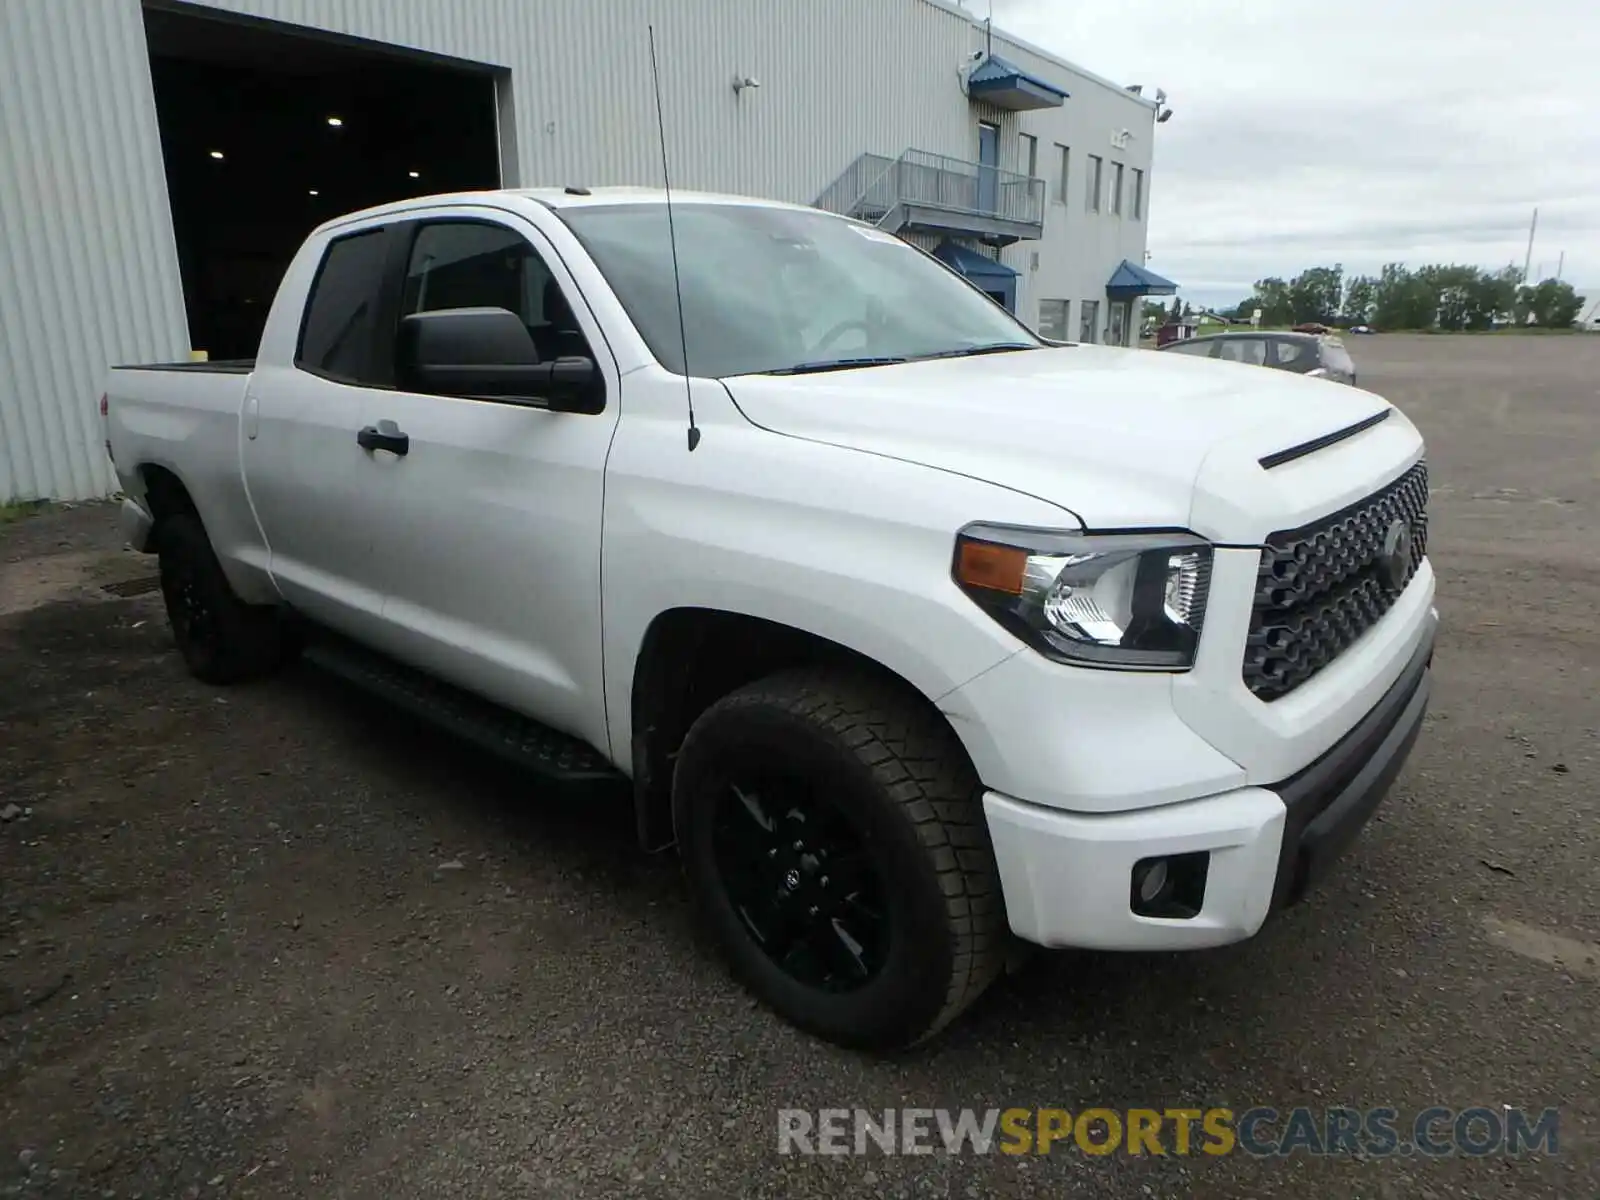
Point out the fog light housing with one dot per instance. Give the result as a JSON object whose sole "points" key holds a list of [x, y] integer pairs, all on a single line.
{"points": [[1171, 886]]}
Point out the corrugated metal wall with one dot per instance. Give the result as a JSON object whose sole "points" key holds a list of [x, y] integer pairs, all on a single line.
{"points": [[88, 269], [89, 273]]}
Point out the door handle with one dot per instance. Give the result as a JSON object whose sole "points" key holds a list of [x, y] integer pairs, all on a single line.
{"points": [[384, 436]]}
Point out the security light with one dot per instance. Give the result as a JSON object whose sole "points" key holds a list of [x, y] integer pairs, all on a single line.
{"points": [[336, 121]]}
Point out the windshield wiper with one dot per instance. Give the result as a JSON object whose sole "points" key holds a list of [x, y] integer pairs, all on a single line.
{"points": [[831, 364], [991, 348]]}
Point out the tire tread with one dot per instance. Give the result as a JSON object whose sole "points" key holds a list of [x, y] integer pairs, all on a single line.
{"points": [[922, 769]]}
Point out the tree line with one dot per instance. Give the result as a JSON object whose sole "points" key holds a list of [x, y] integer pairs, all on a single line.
{"points": [[1431, 297]]}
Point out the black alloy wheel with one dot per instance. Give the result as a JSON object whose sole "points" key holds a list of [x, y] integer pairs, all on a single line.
{"points": [[802, 881]]}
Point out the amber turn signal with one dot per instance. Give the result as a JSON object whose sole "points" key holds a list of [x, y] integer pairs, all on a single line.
{"points": [[992, 567]]}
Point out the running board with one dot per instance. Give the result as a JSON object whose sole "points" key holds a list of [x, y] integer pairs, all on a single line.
{"points": [[521, 740]]}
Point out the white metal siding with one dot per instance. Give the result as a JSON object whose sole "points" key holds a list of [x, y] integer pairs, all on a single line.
{"points": [[88, 268], [89, 274]]}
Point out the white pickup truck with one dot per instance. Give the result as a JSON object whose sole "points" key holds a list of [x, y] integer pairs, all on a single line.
{"points": [[911, 631]]}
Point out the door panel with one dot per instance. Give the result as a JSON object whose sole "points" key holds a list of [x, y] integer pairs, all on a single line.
{"points": [[304, 472], [988, 160], [489, 551]]}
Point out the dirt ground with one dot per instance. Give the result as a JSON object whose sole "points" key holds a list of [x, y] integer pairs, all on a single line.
{"points": [[280, 941]]}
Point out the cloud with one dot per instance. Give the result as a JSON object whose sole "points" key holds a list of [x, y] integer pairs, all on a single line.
{"points": [[1368, 132]]}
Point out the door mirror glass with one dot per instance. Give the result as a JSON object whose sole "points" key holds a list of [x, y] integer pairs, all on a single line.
{"points": [[488, 352]]}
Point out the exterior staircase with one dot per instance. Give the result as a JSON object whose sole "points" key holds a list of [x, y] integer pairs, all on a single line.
{"points": [[934, 193]]}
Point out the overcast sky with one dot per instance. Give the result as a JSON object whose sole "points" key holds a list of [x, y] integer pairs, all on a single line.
{"points": [[1361, 132]]}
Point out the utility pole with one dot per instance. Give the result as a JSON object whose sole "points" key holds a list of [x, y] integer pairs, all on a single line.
{"points": [[1561, 265], [1527, 260]]}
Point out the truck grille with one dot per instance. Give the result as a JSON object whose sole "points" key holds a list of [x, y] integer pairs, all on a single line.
{"points": [[1322, 586]]}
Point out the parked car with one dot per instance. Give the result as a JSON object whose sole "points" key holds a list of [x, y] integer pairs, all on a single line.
{"points": [[1322, 356], [912, 633]]}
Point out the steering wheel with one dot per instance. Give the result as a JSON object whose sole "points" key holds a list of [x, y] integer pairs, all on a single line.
{"points": [[838, 331]]}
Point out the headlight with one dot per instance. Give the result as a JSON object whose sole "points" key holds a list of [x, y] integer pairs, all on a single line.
{"points": [[1129, 601]]}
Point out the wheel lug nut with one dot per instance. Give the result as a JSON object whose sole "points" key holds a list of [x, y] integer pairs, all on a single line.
{"points": [[813, 910], [799, 845], [772, 853], [824, 881]]}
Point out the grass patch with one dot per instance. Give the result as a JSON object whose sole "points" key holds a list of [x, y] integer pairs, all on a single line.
{"points": [[15, 510]]}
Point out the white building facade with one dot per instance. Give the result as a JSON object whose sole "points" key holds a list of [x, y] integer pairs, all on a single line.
{"points": [[1031, 175]]}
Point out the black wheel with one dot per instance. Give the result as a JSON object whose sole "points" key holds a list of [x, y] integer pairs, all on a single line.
{"points": [[834, 839], [222, 639]]}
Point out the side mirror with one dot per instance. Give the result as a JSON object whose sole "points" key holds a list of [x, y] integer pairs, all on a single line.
{"points": [[489, 352]]}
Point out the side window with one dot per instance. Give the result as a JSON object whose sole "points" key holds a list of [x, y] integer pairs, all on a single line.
{"points": [[1192, 348], [1245, 350], [474, 264], [1293, 356], [336, 334]]}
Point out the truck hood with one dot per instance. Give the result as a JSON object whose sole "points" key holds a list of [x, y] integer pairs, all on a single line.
{"points": [[1119, 438]]}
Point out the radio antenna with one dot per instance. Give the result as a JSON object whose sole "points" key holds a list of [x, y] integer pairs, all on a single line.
{"points": [[672, 239]]}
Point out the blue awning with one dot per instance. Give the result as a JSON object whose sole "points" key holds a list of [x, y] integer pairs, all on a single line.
{"points": [[1130, 280], [1002, 83], [970, 263]]}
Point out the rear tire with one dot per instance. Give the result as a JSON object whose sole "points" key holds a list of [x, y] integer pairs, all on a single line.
{"points": [[833, 834], [222, 639]]}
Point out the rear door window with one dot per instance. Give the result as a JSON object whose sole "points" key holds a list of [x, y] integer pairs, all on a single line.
{"points": [[1196, 349], [336, 335]]}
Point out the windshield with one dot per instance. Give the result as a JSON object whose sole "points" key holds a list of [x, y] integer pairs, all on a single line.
{"points": [[776, 289]]}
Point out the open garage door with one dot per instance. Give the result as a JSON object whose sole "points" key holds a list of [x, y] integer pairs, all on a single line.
{"points": [[269, 129]]}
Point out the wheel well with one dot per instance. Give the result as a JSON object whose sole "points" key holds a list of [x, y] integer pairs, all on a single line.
{"points": [[690, 659], [165, 495]]}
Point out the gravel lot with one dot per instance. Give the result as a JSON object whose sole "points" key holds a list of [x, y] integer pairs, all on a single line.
{"points": [[280, 941]]}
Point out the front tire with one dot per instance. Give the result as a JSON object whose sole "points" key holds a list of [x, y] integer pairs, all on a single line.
{"points": [[834, 838], [222, 639]]}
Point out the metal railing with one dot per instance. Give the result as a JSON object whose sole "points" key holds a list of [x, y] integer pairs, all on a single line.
{"points": [[845, 194], [873, 185]]}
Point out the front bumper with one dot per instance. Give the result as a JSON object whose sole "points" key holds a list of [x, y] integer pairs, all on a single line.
{"points": [[1067, 876]]}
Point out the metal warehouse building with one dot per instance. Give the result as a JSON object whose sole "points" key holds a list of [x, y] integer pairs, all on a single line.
{"points": [[160, 161]]}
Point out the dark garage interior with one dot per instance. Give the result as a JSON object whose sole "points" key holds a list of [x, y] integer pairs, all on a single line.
{"points": [[267, 130]]}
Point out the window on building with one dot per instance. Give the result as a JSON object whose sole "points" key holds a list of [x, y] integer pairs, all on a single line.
{"points": [[336, 337], [1053, 319], [1062, 171], [1096, 181], [1116, 188], [1138, 194], [1030, 154], [1089, 322]]}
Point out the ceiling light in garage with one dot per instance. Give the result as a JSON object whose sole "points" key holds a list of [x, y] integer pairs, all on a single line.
{"points": [[415, 174], [216, 154], [336, 121], [313, 192]]}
